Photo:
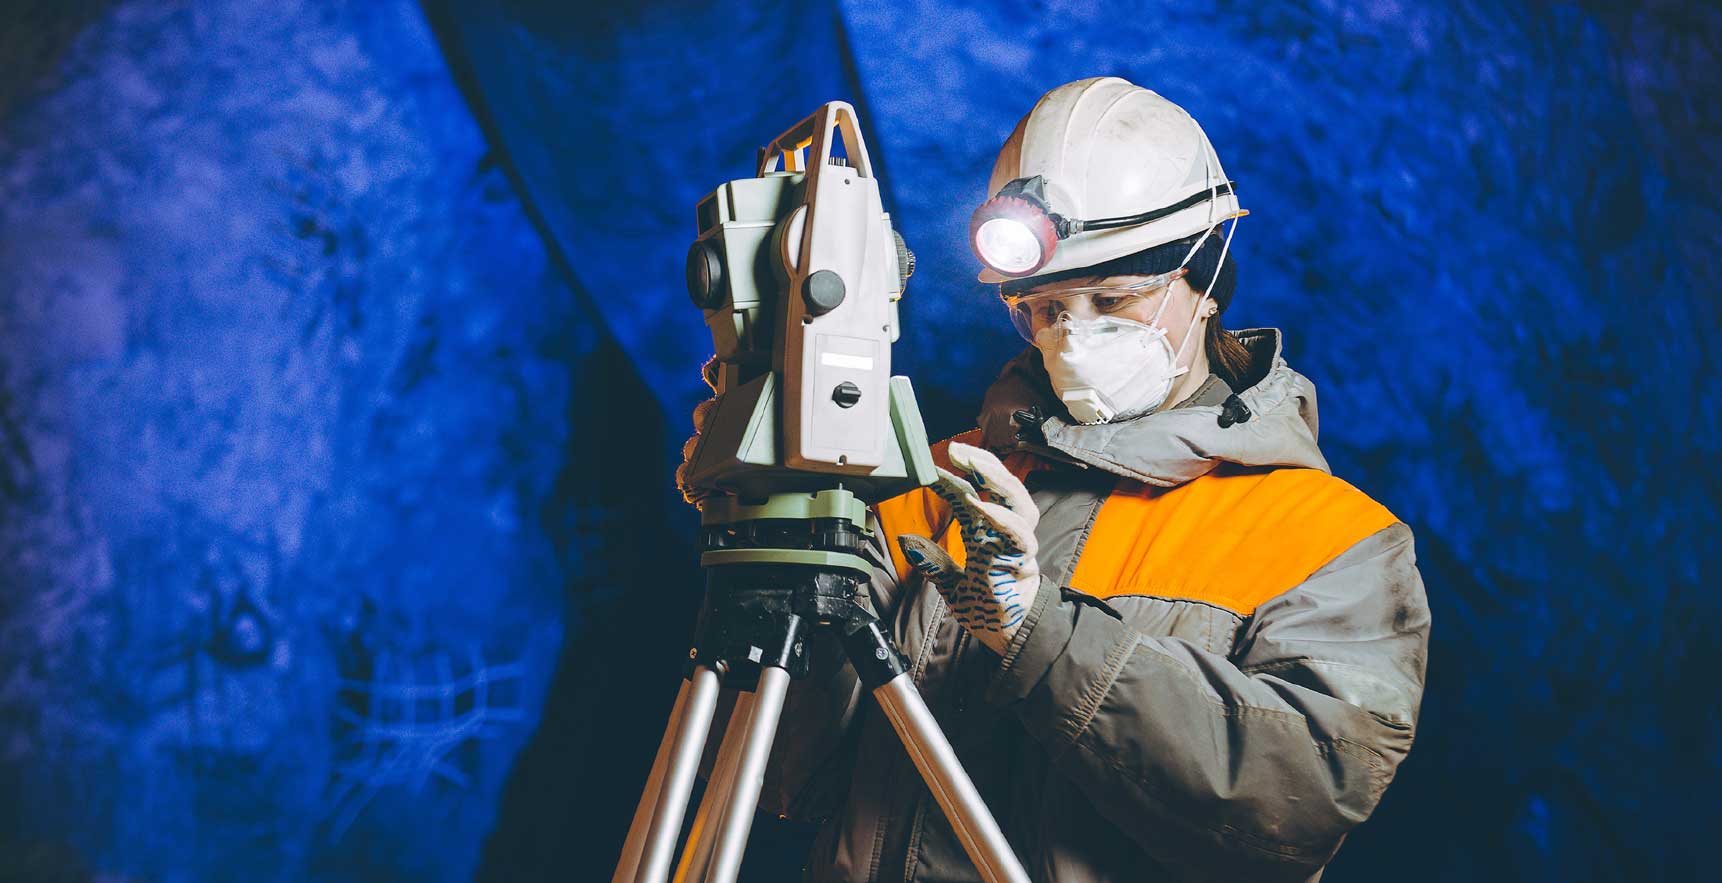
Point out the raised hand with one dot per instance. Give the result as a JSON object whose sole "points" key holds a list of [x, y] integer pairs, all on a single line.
{"points": [[992, 593]]}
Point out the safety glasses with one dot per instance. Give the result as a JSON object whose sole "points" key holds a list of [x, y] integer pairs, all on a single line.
{"points": [[1031, 312]]}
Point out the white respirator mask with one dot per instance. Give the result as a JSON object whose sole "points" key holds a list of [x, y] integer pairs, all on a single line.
{"points": [[1106, 368], [1110, 368]]}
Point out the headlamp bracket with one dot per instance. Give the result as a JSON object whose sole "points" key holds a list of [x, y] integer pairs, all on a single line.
{"points": [[1033, 190]]}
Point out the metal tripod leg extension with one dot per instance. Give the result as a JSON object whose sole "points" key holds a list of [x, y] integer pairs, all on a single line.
{"points": [[636, 842], [945, 777], [670, 800], [697, 854], [749, 775], [885, 670]]}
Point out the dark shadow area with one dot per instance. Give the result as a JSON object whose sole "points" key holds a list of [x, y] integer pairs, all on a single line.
{"points": [[573, 789]]}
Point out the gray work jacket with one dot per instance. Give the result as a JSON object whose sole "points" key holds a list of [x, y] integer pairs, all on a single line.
{"points": [[1136, 738]]}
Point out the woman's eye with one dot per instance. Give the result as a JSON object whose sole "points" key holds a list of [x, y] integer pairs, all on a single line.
{"points": [[1106, 304]]}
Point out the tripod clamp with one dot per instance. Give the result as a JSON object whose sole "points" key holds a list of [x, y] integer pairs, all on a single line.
{"points": [[778, 569]]}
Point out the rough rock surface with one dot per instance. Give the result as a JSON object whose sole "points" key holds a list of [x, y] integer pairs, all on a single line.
{"points": [[306, 433], [284, 379]]}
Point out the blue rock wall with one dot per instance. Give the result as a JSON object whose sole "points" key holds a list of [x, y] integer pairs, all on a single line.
{"points": [[344, 355], [284, 389]]}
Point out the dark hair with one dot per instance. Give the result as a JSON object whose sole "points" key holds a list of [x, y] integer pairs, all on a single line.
{"points": [[1206, 272], [1227, 356]]}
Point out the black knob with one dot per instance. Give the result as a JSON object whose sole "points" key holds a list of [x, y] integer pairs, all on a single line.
{"points": [[822, 292], [705, 276], [1030, 425], [846, 394], [1233, 411]]}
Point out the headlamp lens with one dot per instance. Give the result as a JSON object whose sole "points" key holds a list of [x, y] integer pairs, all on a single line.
{"points": [[1008, 246], [1013, 235]]}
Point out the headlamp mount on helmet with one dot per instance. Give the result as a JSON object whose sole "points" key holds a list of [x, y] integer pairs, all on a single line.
{"points": [[1016, 232]]}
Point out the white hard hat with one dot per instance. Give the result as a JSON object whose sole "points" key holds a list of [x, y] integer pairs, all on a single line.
{"points": [[1099, 169]]}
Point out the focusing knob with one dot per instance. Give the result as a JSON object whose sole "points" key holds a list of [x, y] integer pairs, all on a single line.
{"points": [[705, 276], [822, 292], [846, 394], [905, 260]]}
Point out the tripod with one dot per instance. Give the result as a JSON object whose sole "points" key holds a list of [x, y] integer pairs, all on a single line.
{"points": [[777, 572]]}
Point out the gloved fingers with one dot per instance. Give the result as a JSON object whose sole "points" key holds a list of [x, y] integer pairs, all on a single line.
{"points": [[985, 526], [961, 496], [989, 476], [691, 494], [709, 372], [702, 413], [930, 560], [1011, 534], [684, 484]]}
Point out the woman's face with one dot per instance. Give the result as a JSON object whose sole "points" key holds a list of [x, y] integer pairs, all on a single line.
{"points": [[1046, 306]]}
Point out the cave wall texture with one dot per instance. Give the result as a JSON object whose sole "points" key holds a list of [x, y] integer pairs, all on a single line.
{"points": [[344, 358]]}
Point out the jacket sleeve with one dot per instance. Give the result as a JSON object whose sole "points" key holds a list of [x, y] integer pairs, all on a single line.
{"points": [[807, 775], [1252, 766]]}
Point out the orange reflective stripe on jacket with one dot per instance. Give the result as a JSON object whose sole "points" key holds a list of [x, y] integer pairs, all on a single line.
{"points": [[1234, 538], [920, 511]]}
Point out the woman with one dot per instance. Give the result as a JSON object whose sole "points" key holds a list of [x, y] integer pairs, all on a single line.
{"points": [[1165, 642]]}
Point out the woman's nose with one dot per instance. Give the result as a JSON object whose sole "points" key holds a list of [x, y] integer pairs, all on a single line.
{"points": [[1079, 308]]}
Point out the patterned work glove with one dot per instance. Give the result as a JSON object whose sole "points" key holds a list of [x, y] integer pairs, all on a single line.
{"points": [[992, 593]]}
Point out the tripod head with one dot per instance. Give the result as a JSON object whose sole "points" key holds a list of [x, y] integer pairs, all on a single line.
{"points": [[798, 271]]}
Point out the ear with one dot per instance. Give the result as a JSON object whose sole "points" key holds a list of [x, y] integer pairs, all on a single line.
{"points": [[1190, 300]]}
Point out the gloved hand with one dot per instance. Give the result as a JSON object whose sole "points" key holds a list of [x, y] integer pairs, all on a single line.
{"points": [[992, 593], [693, 495]]}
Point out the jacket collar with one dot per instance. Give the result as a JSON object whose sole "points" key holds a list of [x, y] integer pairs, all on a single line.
{"points": [[1165, 448]]}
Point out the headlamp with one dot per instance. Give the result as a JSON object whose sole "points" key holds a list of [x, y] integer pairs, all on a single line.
{"points": [[1016, 231]]}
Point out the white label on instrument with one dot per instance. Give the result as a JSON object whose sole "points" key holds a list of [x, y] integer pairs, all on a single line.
{"points": [[841, 360]]}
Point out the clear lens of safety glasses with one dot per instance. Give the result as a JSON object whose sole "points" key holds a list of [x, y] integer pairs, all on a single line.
{"points": [[1031, 312]]}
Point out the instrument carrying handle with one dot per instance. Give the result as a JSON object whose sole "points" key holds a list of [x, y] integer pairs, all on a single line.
{"points": [[815, 131]]}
